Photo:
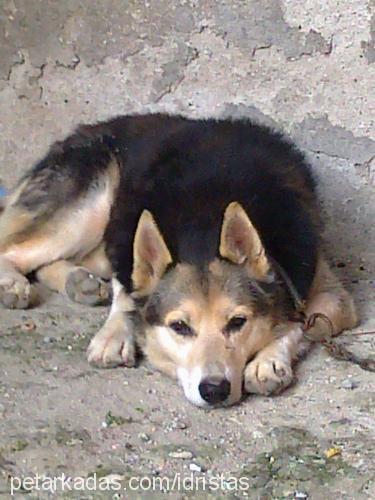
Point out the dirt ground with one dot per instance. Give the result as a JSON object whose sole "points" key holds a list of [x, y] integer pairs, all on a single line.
{"points": [[304, 67], [59, 415]]}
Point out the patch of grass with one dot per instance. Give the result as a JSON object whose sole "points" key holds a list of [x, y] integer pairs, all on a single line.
{"points": [[69, 437], [19, 445], [115, 420], [298, 460]]}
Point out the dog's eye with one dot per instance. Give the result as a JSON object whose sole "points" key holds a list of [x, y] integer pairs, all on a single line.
{"points": [[181, 328], [235, 323]]}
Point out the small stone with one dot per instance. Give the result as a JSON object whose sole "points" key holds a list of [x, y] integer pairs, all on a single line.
{"points": [[183, 454], [300, 494], [28, 326], [332, 452], [178, 424], [195, 467], [48, 340], [144, 437], [349, 384]]}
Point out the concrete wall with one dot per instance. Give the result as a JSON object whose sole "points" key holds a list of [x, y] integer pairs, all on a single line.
{"points": [[304, 66]]}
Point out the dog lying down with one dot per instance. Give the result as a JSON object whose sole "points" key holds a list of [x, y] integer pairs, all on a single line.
{"points": [[207, 229]]}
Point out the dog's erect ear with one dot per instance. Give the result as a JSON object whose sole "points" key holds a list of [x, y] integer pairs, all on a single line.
{"points": [[240, 242], [150, 255]]}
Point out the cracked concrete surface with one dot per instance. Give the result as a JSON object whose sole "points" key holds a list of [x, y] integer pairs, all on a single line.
{"points": [[307, 68]]}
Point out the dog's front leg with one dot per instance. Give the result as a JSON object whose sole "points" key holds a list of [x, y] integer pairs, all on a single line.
{"points": [[271, 370], [114, 344]]}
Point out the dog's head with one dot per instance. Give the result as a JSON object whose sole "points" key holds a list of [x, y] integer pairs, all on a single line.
{"points": [[203, 325]]}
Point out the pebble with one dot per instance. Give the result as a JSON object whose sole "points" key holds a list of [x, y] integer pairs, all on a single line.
{"points": [[349, 384], [300, 494], [144, 437], [48, 340], [195, 467], [178, 424], [183, 454], [28, 326]]}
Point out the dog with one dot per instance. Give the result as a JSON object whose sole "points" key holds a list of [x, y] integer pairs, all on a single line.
{"points": [[209, 231]]}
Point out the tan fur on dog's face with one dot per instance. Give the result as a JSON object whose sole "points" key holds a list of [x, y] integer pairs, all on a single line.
{"points": [[210, 349], [203, 325]]}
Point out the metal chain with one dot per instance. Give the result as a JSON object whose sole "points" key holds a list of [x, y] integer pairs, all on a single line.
{"points": [[336, 350]]}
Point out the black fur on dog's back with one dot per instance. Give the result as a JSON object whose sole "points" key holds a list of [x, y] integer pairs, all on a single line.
{"points": [[187, 172]]}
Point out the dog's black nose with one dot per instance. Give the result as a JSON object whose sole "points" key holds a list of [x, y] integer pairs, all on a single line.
{"points": [[214, 390]]}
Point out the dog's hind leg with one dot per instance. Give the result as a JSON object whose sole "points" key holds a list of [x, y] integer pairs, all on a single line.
{"points": [[38, 228], [98, 263], [329, 298], [16, 292], [88, 282], [54, 275], [82, 283]]}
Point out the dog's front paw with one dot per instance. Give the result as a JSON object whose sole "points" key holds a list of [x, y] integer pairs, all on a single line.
{"points": [[112, 347], [16, 292], [268, 374]]}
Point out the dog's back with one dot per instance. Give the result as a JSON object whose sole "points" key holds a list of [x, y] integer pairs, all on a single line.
{"points": [[185, 172]]}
